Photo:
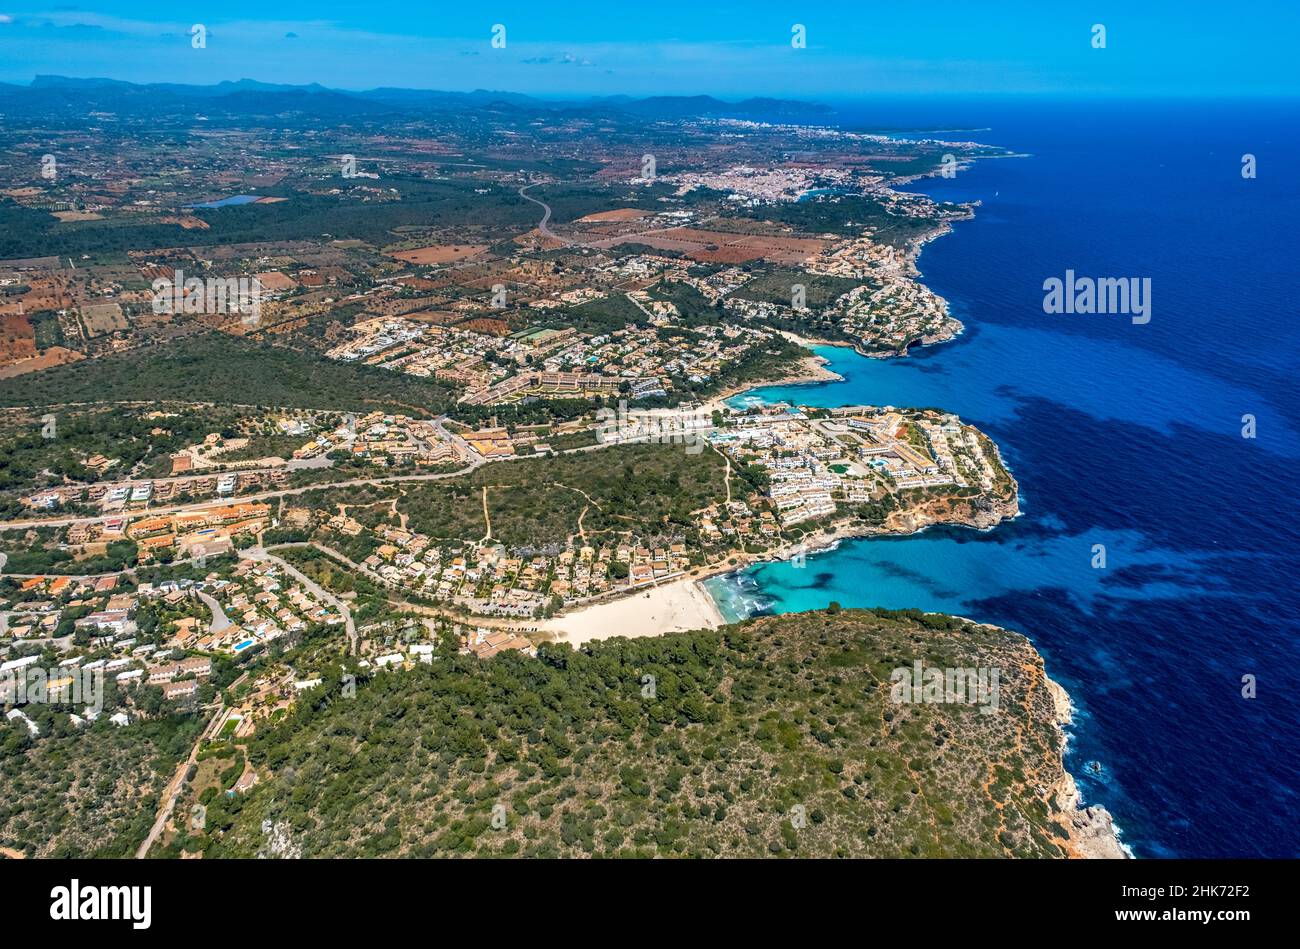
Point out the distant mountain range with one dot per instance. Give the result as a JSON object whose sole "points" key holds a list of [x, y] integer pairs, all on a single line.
{"points": [[53, 95]]}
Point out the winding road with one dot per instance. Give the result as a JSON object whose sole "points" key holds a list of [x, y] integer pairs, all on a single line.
{"points": [[544, 225], [261, 553]]}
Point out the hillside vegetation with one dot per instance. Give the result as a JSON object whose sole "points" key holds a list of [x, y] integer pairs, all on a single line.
{"points": [[89, 792], [214, 367], [772, 737]]}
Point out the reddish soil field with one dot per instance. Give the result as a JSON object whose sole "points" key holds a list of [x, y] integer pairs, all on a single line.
{"points": [[619, 214], [726, 248]]}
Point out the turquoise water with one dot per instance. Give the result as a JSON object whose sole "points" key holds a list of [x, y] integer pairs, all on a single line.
{"points": [[1128, 436], [953, 570], [985, 373]]}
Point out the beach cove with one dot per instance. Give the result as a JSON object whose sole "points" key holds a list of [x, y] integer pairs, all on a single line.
{"points": [[1115, 433]]}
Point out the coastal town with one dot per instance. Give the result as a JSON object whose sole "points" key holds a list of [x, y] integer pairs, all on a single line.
{"points": [[508, 408], [813, 474], [590, 437], [667, 293], [177, 546]]}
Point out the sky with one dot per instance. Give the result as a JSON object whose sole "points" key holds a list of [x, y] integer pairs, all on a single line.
{"points": [[1153, 48]]}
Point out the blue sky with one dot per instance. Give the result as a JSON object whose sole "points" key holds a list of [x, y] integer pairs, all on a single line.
{"points": [[854, 49]]}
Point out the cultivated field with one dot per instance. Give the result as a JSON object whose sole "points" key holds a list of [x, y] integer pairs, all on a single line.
{"points": [[722, 247], [440, 253]]}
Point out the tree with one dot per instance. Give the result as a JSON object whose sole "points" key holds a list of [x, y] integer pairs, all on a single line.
{"points": [[151, 700]]}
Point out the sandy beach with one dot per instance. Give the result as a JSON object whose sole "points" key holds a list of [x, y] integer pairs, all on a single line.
{"points": [[811, 368], [671, 607]]}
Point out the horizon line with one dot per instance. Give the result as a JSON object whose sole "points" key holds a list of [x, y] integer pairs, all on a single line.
{"points": [[819, 99]]}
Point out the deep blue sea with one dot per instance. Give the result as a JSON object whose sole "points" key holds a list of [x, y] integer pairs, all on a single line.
{"points": [[1124, 435]]}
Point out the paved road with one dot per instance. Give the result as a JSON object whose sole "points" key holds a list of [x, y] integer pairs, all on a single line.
{"points": [[544, 225], [476, 462], [261, 553], [240, 499], [343, 558], [455, 613], [92, 576], [61, 643], [173, 790], [293, 464], [220, 621]]}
